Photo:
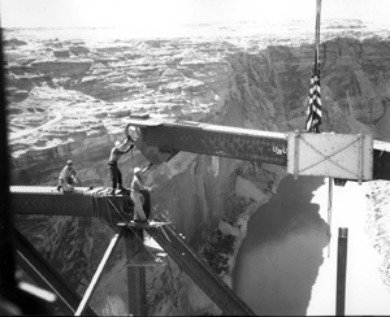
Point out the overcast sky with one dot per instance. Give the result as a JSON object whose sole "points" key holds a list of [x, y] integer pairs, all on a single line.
{"points": [[168, 13]]}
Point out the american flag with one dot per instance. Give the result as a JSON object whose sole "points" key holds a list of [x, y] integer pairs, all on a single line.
{"points": [[314, 109]]}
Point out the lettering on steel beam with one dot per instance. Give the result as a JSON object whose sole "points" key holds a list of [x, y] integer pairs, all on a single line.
{"points": [[278, 150]]}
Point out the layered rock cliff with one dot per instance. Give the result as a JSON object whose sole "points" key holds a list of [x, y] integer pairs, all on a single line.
{"points": [[75, 105]]}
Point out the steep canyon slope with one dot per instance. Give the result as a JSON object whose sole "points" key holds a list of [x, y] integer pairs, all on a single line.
{"points": [[71, 99]]}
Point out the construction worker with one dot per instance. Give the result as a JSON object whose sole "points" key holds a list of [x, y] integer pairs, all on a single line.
{"points": [[135, 195], [116, 152], [68, 177]]}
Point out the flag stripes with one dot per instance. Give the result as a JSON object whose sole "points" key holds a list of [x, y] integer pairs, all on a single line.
{"points": [[314, 108]]}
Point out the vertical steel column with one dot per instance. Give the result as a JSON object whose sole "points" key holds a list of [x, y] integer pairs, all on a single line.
{"points": [[135, 274], [341, 271]]}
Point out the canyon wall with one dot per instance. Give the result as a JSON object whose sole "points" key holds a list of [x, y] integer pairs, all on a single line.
{"points": [[77, 106]]}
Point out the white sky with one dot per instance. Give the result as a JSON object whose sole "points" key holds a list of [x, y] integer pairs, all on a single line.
{"points": [[170, 13]]}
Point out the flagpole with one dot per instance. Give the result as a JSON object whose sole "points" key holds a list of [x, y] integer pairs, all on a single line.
{"points": [[317, 33], [314, 109], [317, 65]]}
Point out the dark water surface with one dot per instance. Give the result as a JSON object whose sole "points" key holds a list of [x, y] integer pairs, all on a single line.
{"points": [[279, 260]]}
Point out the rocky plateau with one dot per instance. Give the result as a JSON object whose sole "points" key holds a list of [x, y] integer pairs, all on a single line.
{"points": [[71, 98]]}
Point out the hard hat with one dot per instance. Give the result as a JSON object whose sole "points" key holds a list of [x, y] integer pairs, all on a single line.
{"points": [[117, 143], [69, 162], [137, 170]]}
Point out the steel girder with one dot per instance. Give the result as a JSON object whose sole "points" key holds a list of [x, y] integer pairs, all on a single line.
{"points": [[239, 143], [42, 273], [82, 202], [209, 139], [199, 272]]}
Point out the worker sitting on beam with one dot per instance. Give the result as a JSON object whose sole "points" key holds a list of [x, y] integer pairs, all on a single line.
{"points": [[68, 177]]}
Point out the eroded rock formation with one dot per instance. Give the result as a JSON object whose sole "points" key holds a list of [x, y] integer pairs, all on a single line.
{"points": [[76, 108]]}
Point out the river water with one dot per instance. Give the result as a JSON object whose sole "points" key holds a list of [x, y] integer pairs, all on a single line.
{"points": [[283, 266]]}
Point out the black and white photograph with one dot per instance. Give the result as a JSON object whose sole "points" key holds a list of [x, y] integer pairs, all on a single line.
{"points": [[195, 157]]}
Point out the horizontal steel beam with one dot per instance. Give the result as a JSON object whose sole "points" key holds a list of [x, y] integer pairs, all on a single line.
{"points": [[82, 202], [239, 143], [218, 140]]}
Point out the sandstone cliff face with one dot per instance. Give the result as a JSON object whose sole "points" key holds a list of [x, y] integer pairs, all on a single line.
{"points": [[354, 83], [77, 108]]}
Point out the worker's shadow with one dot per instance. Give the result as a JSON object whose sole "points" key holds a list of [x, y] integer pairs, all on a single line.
{"points": [[281, 256]]}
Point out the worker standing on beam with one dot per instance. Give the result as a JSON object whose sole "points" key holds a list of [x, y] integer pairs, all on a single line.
{"points": [[116, 152], [135, 195], [68, 177]]}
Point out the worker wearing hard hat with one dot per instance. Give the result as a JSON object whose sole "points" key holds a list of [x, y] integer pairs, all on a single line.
{"points": [[135, 195], [116, 152], [68, 178]]}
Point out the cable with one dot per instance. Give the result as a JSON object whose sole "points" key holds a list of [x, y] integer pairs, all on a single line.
{"points": [[109, 215], [116, 210]]}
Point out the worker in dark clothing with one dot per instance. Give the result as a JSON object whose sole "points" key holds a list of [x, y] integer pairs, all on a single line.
{"points": [[68, 178], [117, 151]]}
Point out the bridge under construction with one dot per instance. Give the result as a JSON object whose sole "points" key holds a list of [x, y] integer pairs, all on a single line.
{"points": [[159, 142], [340, 157]]}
